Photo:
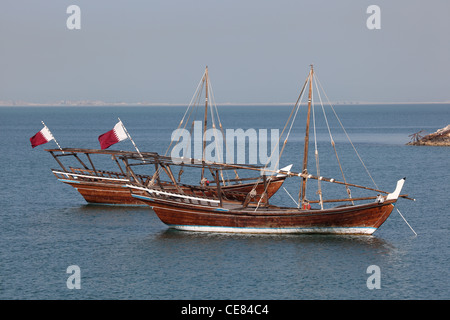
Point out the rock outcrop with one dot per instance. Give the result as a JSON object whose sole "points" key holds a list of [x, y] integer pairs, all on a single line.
{"points": [[439, 138]]}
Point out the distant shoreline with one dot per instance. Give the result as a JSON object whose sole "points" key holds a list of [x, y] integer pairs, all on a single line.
{"points": [[87, 103]]}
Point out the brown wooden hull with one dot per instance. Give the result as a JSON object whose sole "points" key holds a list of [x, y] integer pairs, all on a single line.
{"points": [[116, 193], [105, 193], [359, 219]]}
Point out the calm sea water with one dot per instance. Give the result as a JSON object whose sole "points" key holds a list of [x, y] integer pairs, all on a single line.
{"points": [[127, 253]]}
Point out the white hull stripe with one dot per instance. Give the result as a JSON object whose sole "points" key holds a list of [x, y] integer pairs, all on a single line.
{"points": [[117, 204], [69, 181], [324, 230]]}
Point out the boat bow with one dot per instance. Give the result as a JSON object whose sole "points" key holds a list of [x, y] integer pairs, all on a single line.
{"points": [[394, 195]]}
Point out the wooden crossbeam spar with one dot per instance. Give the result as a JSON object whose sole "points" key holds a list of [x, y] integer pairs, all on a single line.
{"points": [[172, 194], [350, 199]]}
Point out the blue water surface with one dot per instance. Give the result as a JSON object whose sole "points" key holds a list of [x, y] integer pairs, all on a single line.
{"points": [[127, 253]]}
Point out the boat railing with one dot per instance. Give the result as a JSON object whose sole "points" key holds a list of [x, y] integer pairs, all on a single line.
{"points": [[91, 175], [100, 173], [67, 175]]}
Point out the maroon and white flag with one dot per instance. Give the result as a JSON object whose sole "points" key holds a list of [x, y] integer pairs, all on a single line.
{"points": [[113, 136], [41, 137]]}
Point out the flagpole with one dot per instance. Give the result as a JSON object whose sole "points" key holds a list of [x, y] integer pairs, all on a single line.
{"points": [[53, 137], [125, 129]]}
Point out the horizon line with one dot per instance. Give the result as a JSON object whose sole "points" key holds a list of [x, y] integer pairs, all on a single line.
{"points": [[99, 103]]}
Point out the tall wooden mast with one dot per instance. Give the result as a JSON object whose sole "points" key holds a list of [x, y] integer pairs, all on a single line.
{"points": [[302, 195], [205, 120]]}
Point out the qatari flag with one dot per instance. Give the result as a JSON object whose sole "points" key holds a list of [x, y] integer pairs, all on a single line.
{"points": [[41, 137], [113, 136]]}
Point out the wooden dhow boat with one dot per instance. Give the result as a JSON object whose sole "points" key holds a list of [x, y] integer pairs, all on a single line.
{"points": [[108, 186], [219, 214], [212, 216], [96, 186]]}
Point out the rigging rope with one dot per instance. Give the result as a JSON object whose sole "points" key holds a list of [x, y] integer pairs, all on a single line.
{"points": [[296, 203], [219, 152], [367, 170], [295, 108], [316, 151], [194, 98], [224, 140], [332, 140], [406, 221], [189, 106]]}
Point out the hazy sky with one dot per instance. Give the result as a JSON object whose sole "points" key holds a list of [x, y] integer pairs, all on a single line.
{"points": [[256, 50]]}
